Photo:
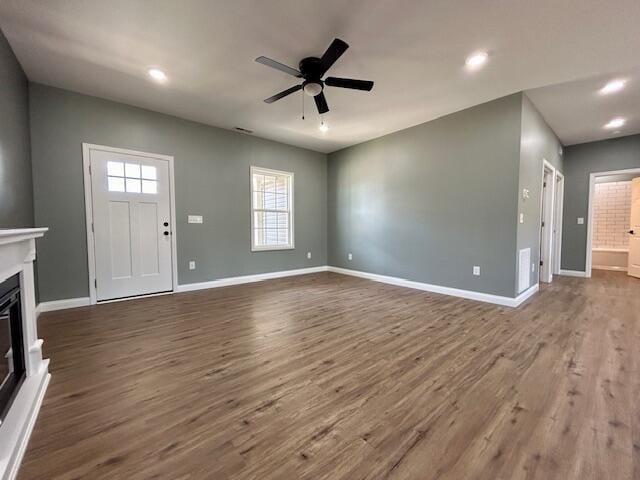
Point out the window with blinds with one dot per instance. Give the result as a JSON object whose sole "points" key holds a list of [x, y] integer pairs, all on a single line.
{"points": [[271, 209]]}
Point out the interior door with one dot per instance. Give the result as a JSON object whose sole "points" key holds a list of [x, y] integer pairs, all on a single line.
{"points": [[131, 224], [634, 230]]}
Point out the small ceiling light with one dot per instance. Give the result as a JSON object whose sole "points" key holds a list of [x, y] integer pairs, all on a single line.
{"points": [[613, 86], [615, 123], [477, 60], [312, 88], [158, 75], [323, 127]]}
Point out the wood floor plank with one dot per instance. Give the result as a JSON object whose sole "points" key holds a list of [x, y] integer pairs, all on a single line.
{"points": [[326, 376]]}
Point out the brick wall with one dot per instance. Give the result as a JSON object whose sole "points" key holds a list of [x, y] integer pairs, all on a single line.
{"points": [[612, 213]]}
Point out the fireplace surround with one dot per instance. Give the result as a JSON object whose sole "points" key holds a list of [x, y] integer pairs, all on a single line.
{"points": [[17, 253], [11, 343]]}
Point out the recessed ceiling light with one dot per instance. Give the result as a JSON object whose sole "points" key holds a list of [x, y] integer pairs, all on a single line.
{"points": [[615, 123], [157, 74], [613, 86], [477, 60], [323, 127]]}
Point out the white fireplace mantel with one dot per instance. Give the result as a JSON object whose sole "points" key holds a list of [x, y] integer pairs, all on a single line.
{"points": [[17, 253]]}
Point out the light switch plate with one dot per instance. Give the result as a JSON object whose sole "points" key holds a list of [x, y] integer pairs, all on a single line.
{"points": [[580, 220], [309, 255], [192, 265], [350, 256], [195, 219], [476, 270], [522, 218]]}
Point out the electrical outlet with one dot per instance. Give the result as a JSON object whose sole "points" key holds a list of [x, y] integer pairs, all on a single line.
{"points": [[192, 265], [533, 267], [309, 255], [476, 270], [195, 219], [580, 220], [350, 256], [522, 218]]}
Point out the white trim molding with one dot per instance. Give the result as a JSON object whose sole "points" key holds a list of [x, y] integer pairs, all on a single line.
{"points": [[573, 273], [62, 304], [455, 292], [259, 277]]}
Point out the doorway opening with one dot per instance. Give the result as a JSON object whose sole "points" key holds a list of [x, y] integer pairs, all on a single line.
{"points": [[130, 214], [613, 231], [551, 200]]}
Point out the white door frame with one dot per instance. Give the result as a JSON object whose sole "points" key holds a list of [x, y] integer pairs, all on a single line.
{"points": [[88, 203], [592, 191], [557, 223], [547, 243]]}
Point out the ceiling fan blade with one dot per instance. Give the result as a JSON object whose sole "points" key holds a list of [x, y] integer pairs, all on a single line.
{"points": [[321, 103], [284, 93], [349, 83], [333, 53], [278, 66]]}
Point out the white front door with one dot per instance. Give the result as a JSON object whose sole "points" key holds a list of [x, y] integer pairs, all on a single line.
{"points": [[634, 230], [131, 224]]}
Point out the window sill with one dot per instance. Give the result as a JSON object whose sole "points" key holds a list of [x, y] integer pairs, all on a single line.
{"points": [[271, 249]]}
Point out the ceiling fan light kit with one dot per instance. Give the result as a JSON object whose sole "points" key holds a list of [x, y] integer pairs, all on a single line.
{"points": [[311, 70]]}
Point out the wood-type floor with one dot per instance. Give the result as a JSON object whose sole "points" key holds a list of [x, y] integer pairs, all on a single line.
{"points": [[326, 376]]}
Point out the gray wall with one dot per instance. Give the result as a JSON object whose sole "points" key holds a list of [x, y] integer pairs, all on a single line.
{"points": [[212, 179], [580, 161], [16, 189], [537, 142], [430, 202]]}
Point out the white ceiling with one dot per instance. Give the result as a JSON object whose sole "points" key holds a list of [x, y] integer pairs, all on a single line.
{"points": [[577, 111], [413, 49]]}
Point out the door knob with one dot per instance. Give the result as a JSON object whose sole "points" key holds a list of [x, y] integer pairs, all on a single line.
{"points": [[166, 233], [166, 224], [631, 232]]}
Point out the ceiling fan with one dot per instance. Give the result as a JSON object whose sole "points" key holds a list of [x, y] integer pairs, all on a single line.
{"points": [[311, 70]]}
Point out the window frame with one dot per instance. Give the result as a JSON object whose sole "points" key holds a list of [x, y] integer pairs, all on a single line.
{"points": [[290, 178]]}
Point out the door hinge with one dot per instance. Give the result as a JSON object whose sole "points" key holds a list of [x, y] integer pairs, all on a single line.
{"points": [[543, 224], [95, 282], [544, 184], [89, 169], [92, 227], [541, 263]]}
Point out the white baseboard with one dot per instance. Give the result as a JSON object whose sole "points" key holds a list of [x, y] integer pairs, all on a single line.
{"points": [[225, 282], [62, 304], [573, 273], [455, 292], [605, 267]]}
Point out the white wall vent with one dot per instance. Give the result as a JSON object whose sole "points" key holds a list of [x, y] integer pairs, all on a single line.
{"points": [[524, 277]]}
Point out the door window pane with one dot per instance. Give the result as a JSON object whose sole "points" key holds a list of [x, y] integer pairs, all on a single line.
{"points": [[149, 172], [115, 169], [149, 186], [132, 170], [133, 185], [115, 184]]}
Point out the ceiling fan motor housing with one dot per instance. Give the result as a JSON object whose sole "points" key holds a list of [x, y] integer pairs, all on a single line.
{"points": [[311, 70]]}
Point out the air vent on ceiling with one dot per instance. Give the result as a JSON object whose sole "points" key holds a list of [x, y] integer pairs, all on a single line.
{"points": [[243, 130]]}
